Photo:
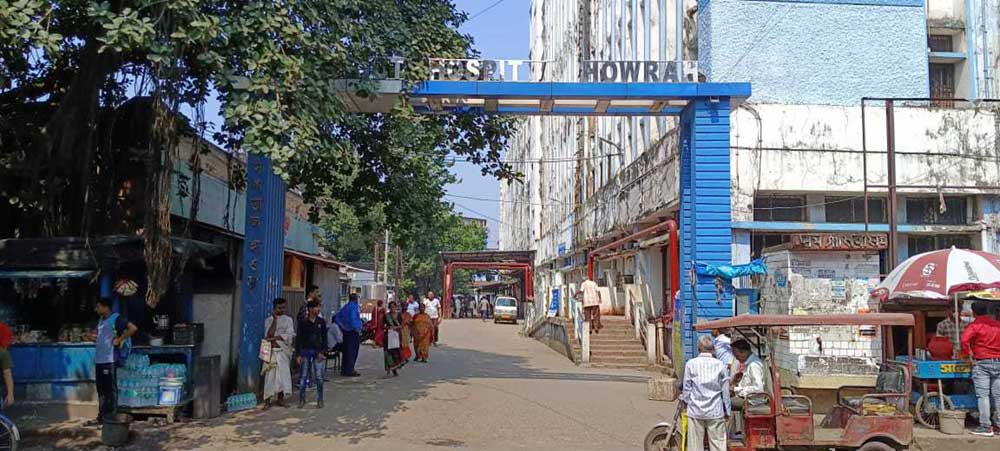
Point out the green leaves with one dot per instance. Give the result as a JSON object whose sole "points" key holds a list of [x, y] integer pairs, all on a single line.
{"points": [[271, 66]]}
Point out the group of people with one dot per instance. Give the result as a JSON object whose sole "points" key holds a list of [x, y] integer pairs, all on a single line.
{"points": [[307, 340], [718, 385], [470, 307], [407, 331], [404, 332]]}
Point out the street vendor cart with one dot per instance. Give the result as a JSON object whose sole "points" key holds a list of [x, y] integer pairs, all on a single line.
{"points": [[933, 287]]}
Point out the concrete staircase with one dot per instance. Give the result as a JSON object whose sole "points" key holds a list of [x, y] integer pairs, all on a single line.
{"points": [[616, 346]]}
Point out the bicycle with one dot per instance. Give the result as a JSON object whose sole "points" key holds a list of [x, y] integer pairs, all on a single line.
{"points": [[9, 437]]}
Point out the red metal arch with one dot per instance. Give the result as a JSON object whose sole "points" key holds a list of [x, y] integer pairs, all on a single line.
{"points": [[450, 267]]}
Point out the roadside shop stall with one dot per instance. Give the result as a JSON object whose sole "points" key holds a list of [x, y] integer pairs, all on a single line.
{"points": [[937, 289], [48, 290]]}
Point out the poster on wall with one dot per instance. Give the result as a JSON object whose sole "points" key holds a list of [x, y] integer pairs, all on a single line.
{"points": [[554, 306]]}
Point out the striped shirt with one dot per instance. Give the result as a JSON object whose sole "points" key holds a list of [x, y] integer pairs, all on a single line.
{"points": [[706, 388]]}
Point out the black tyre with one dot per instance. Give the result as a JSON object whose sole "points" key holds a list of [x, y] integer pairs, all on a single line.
{"points": [[8, 435], [662, 438], [876, 446]]}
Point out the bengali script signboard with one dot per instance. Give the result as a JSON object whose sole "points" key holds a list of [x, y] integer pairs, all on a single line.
{"points": [[840, 241]]}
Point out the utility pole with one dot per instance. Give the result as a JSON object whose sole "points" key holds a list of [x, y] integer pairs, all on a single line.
{"points": [[890, 147], [385, 261]]}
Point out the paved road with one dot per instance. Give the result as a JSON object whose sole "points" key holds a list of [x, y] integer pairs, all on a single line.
{"points": [[485, 388]]}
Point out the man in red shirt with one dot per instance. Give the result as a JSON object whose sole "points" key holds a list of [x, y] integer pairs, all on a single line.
{"points": [[981, 341]]}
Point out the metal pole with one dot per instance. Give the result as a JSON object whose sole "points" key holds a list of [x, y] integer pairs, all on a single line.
{"points": [[679, 35], [385, 261], [864, 159], [890, 147]]}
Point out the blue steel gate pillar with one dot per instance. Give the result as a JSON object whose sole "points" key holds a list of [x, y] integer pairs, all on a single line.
{"points": [[263, 262], [706, 229]]}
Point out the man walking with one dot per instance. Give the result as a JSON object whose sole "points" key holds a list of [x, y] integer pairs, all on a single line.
{"points": [[484, 308], [706, 394], [592, 305], [277, 371], [310, 345], [349, 321], [981, 342], [432, 306], [112, 331], [412, 305]]}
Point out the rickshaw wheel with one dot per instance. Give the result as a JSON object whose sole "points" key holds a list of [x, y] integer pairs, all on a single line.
{"points": [[926, 412], [876, 446], [662, 438]]}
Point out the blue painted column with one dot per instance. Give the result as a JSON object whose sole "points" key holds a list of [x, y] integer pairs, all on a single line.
{"points": [[263, 262], [706, 222]]}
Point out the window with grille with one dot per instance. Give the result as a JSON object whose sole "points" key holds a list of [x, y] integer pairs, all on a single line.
{"points": [[779, 208], [940, 43], [852, 209], [929, 210]]}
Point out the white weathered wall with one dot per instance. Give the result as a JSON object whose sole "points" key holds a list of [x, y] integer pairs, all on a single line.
{"points": [[822, 282]]}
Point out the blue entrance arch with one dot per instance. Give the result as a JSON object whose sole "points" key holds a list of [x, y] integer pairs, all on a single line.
{"points": [[705, 211]]}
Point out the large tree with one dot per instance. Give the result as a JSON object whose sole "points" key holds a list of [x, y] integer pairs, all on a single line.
{"points": [[68, 67]]}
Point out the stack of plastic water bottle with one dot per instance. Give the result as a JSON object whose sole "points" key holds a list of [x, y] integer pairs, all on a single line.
{"points": [[139, 382], [241, 401]]}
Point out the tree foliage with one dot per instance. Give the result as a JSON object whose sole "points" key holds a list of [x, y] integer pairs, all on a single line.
{"points": [[422, 265], [67, 69]]}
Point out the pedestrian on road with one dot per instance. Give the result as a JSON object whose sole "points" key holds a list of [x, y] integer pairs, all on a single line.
{"points": [[981, 342], [412, 305], [706, 394], [405, 338], [277, 370], [423, 333], [432, 306], [378, 323], [392, 344], [310, 347], [112, 332], [484, 308], [592, 305], [349, 321]]}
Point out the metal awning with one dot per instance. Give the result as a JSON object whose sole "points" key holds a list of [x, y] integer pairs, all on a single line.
{"points": [[53, 274]]}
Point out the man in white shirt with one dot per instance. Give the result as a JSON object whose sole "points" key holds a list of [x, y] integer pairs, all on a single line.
{"points": [[724, 348], [749, 379], [592, 305], [706, 394], [432, 306]]}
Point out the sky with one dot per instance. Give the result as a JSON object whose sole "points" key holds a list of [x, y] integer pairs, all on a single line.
{"points": [[500, 29]]}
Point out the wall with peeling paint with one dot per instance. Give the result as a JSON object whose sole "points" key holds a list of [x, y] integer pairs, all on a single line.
{"points": [[816, 53]]}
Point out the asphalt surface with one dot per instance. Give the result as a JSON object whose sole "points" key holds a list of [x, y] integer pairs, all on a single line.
{"points": [[485, 388]]}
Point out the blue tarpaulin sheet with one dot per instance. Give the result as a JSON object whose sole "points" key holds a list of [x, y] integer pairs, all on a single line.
{"points": [[730, 272]]}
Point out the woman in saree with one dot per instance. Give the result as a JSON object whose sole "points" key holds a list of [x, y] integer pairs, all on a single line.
{"points": [[392, 341], [405, 339], [423, 332], [378, 321]]}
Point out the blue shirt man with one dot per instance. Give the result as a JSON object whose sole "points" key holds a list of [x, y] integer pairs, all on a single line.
{"points": [[112, 331], [348, 319]]}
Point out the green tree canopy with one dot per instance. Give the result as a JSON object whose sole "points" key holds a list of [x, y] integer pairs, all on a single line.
{"points": [[67, 67]]}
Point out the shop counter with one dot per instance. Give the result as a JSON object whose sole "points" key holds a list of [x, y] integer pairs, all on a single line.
{"points": [[54, 371]]}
